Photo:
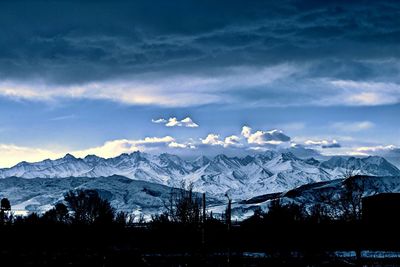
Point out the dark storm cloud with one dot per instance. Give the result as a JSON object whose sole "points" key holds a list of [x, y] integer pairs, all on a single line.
{"points": [[72, 42]]}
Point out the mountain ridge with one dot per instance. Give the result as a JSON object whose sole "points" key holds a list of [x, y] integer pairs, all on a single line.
{"points": [[240, 177]]}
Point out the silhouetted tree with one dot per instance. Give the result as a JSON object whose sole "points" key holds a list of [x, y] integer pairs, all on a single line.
{"points": [[5, 204], [32, 219], [288, 213], [124, 219], [141, 220], [5, 214], [346, 204], [160, 220], [256, 219], [184, 206], [58, 214], [318, 213], [88, 207], [351, 199]]}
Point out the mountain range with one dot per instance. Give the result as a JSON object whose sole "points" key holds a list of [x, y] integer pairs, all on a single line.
{"points": [[239, 177]]}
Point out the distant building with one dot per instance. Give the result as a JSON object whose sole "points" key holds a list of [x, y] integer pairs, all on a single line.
{"points": [[382, 208]]}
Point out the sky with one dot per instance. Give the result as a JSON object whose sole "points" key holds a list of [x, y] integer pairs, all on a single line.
{"points": [[198, 77]]}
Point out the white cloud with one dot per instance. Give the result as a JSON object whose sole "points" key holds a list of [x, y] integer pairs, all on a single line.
{"points": [[126, 92], [213, 140], [257, 139], [116, 147], [323, 143], [258, 148], [370, 99], [230, 85], [373, 149], [232, 140], [13, 154], [174, 122], [229, 141], [246, 131], [158, 120], [339, 138], [389, 152], [151, 89], [357, 93], [186, 122], [110, 149], [273, 137], [353, 126], [316, 142], [180, 145], [177, 145], [156, 140]]}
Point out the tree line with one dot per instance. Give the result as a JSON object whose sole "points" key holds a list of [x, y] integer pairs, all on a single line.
{"points": [[185, 207]]}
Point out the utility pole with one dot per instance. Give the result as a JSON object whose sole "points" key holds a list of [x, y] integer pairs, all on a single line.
{"points": [[203, 234], [203, 229], [228, 222], [204, 208], [229, 213]]}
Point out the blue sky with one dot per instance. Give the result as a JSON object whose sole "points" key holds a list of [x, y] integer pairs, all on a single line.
{"points": [[89, 77]]}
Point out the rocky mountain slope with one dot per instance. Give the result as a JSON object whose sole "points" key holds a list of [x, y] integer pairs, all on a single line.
{"points": [[124, 194], [317, 193]]}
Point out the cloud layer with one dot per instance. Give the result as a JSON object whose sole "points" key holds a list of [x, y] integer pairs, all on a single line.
{"points": [[323, 143], [248, 141], [259, 54]]}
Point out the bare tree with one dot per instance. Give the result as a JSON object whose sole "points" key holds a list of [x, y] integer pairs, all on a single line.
{"points": [[346, 204], [326, 204], [184, 206]]}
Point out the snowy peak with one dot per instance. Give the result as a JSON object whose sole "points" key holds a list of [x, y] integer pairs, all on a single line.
{"points": [[288, 156], [247, 160], [69, 157], [265, 157], [372, 165], [226, 161], [92, 159], [200, 162]]}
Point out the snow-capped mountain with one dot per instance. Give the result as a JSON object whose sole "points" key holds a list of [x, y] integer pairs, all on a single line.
{"points": [[373, 165], [241, 178]]}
